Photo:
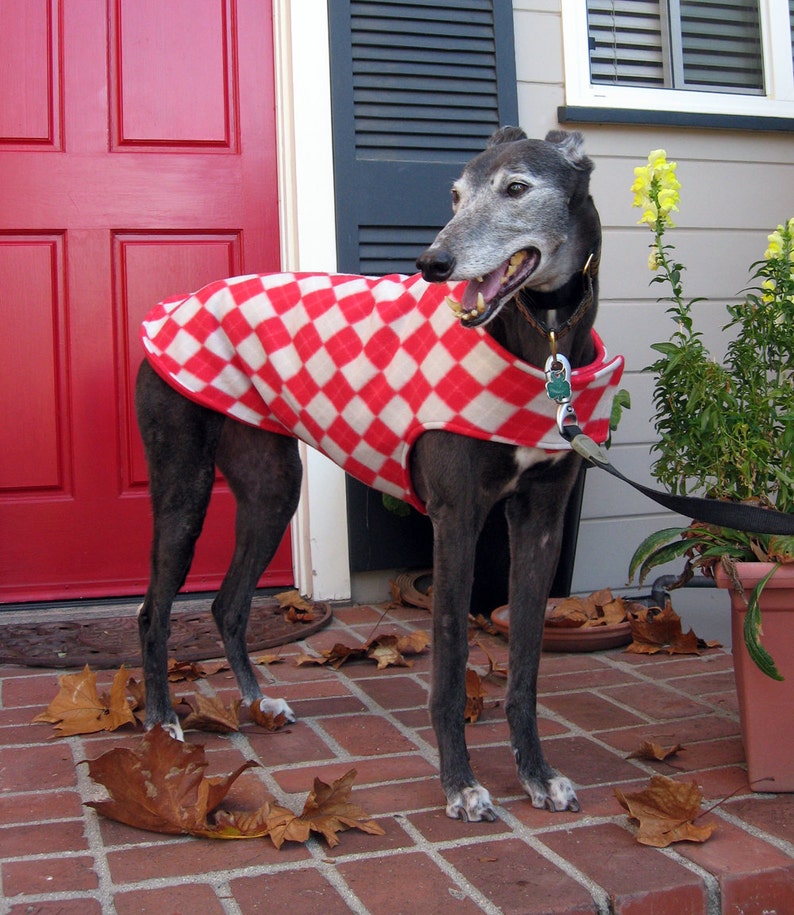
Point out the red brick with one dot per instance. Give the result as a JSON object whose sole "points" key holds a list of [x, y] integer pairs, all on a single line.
{"points": [[335, 705], [552, 662], [367, 735], [29, 808], [405, 883], [300, 779], [396, 692], [436, 826], [774, 815], [179, 858], [85, 906], [684, 731], [49, 875], [657, 702], [519, 880], [401, 797], [299, 892], [637, 878], [35, 691], [297, 743], [42, 839], [173, 900], [590, 711], [754, 876], [586, 679], [31, 768]]}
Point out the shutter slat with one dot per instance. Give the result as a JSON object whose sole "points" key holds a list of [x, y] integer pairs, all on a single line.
{"points": [[428, 63]]}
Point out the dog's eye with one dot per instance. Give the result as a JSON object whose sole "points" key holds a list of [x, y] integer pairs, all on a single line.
{"points": [[517, 188]]}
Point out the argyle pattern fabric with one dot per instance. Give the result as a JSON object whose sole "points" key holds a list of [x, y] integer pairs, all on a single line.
{"points": [[359, 367]]}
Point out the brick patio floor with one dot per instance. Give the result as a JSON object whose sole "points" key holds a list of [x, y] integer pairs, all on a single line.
{"points": [[57, 855]]}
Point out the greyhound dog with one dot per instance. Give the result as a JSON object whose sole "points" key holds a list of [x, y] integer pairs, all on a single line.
{"points": [[517, 264]]}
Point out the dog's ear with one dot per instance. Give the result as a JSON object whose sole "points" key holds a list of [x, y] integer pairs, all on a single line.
{"points": [[506, 135], [571, 145]]}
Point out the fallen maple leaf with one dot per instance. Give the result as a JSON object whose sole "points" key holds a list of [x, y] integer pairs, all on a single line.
{"points": [[78, 708], [292, 599], [327, 810], [184, 670], [385, 650], [600, 608], [495, 668], [161, 786], [665, 811], [474, 696], [654, 751], [266, 720], [296, 615], [207, 713], [654, 630]]}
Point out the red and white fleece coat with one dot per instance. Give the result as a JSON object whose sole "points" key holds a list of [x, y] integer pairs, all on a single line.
{"points": [[359, 367]]}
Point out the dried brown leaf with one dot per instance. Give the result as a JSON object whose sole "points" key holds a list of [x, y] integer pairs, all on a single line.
{"points": [[293, 599], [79, 709], [666, 811], [654, 630], [328, 810], [650, 750], [266, 720], [208, 713], [474, 696], [161, 786]]}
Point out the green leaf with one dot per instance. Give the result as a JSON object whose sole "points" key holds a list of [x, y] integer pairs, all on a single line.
{"points": [[752, 628], [651, 546]]}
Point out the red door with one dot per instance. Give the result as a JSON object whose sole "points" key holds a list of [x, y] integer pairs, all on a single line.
{"points": [[137, 160]]}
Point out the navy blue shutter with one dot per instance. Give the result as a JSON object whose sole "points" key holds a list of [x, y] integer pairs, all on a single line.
{"points": [[418, 86]]}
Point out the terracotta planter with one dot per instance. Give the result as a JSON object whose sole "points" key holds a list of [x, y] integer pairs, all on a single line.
{"points": [[766, 706]]}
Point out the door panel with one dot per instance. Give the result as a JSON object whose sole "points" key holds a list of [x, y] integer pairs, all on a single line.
{"points": [[141, 164]]}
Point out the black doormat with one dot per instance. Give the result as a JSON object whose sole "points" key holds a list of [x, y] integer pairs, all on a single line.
{"points": [[110, 641]]}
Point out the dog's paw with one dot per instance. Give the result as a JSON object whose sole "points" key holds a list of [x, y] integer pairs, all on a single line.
{"points": [[471, 805], [172, 728], [276, 707], [556, 794]]}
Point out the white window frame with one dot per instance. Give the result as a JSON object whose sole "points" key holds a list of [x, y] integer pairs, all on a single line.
{"points": [[778, 101]]}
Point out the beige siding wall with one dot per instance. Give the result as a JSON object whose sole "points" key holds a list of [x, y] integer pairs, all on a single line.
{"points": [[736, 186]]}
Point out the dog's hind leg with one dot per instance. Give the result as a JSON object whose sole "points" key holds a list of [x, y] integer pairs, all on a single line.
{"points": [[180, 439], [535, 521], [264, 471]]}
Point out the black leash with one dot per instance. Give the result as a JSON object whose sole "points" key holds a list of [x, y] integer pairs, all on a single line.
{"points": [[736, 515]]}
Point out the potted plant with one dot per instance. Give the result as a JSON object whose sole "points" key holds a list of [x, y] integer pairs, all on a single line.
{"points": [[727, 431]]}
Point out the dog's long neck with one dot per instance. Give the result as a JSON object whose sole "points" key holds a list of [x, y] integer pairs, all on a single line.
{"points": [[529, 341]]}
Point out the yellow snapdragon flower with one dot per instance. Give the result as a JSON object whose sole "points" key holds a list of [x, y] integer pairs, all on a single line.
{"points": [[656, 189]]}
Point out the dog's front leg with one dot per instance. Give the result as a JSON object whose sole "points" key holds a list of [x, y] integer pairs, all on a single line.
{"points": [[453, 564], [535, 534]]}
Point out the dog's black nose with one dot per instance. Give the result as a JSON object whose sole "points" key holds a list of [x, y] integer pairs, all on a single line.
{"points": [[436, 265]]}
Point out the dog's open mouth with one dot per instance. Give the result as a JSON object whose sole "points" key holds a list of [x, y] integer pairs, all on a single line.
{"points": [[483, 297]]}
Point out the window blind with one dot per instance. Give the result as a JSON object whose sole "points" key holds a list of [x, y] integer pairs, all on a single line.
{"points": [[709, 45]]}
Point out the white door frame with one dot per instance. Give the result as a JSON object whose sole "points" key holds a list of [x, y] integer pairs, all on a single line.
{"points": [[308, 242]]}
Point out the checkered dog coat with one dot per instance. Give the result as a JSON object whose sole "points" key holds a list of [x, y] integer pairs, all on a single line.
{"points": [[359, 367]]}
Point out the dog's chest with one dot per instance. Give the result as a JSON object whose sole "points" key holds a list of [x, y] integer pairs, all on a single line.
{"points": [[526, 458]]}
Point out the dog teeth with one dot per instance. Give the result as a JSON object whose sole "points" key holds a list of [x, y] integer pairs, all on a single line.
{"points": [[455, 306], [479, 279], [481, 306], [515, 262]]}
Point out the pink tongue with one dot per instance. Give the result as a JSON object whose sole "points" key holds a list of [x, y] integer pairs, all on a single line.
{"points": [[489, 287]]}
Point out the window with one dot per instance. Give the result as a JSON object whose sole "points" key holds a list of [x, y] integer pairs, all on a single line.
{"points": [[713, 57]]}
